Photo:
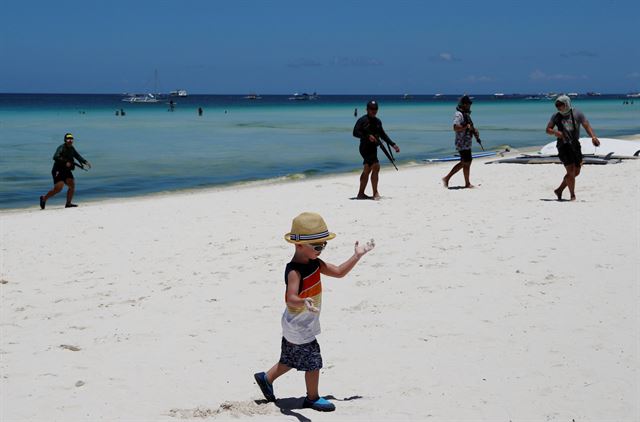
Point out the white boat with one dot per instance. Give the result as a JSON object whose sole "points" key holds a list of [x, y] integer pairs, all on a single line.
{"points": [[178, 93], [636, 95], [148, 98], [407, 97], [304, 97], [498, 95], [572, 94], [141, 98], [252, 97]]}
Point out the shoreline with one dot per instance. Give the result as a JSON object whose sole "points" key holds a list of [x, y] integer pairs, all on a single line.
{"points": [[265, 182], [298, 177]]}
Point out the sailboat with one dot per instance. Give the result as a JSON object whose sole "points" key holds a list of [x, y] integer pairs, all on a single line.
{"points": [[141, 98], [148, 98]]}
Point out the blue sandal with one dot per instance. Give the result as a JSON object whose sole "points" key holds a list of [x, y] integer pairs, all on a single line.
{"points": [[267, 389], [321, 405]]}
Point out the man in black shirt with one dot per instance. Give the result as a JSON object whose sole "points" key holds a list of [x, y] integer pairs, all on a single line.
{"points": [[63, 166], [369, 130]]}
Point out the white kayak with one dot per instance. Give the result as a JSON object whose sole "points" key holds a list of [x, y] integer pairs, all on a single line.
{"points": [[619, 147]]}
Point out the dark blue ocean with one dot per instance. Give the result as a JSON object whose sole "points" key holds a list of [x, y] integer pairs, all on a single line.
{"points": [[152, 149]]}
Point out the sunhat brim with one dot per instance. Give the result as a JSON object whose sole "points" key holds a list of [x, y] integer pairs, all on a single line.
{"points": [[308, 238]]}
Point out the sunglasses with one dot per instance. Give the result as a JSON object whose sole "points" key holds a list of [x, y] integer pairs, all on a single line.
{"points": [[318, 247]]}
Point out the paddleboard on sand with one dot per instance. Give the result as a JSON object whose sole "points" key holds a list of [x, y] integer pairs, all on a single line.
{"points": [[457, 157], [551, 159], [619, 147]]}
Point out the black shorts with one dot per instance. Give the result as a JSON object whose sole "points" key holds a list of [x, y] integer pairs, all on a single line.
{"points": [[570, 153], [465, 155], [60, 175], [369, 152], [303, 357]]}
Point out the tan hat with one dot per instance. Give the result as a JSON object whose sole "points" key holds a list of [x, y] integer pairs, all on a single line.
{"points": [[308, 227]]}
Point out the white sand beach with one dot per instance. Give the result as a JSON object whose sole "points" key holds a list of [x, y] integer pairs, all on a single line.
{"points": [[497, 303]]}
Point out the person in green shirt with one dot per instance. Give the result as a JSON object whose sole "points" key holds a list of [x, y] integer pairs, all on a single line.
{"points": [[62, 171]]}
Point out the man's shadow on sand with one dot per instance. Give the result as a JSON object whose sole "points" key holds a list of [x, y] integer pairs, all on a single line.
{"points": [[558, 200], [289, 404]]}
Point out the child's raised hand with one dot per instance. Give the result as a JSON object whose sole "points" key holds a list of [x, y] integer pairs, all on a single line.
{"points": [[361, 250], [310, 305]]}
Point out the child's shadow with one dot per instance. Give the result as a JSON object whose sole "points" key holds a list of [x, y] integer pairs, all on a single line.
{"points": [[289, 404], [558, 200]]}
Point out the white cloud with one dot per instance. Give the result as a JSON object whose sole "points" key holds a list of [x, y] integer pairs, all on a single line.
{"points": [[444, 57], [537, 75], [304, 62], [474, 78], [356, 61], [581, 53]]}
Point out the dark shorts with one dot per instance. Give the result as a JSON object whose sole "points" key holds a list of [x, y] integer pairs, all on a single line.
{"points": [[303, 357], [369, 152], [465, 155], [570, 153], [61, 175]]}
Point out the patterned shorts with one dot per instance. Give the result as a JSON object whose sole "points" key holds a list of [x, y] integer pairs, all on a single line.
{"points": [[303, 357]]}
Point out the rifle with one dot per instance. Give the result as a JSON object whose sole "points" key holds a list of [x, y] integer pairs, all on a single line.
{"points": [[76, 164], [388, 153], [473, 129]]}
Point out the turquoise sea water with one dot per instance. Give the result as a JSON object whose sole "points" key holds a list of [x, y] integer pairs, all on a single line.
{"points": [[154, 150]]}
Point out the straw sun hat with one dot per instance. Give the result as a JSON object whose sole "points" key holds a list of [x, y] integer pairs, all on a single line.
{"points": [[308, 227]]}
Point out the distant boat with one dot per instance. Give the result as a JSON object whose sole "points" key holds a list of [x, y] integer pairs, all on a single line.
{"points": [[636, 95], [252, 97], [148, 98], [498, 95], [407, 97], [572, 94], [437, 96], [304, 97], [533, 97], [141, 98], [593, 94], [178, 93]]}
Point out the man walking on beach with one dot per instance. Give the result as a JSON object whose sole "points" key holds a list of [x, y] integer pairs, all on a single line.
{"points": [[568, 121], [63, 166], [369, 130], [464, 129]]}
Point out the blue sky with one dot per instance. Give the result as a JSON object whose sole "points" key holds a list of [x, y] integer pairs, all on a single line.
{"points": [[332, 47]]}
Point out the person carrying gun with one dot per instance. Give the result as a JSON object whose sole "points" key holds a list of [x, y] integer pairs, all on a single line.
{"points": [[369, 130], [465, 131], [63, 166], [568, 120]]}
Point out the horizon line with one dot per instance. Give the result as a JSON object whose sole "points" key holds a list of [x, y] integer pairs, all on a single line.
{"points": [[329, 94]]}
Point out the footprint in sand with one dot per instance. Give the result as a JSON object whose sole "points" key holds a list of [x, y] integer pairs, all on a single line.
{"points": [[70, 347], [236, 409]]}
